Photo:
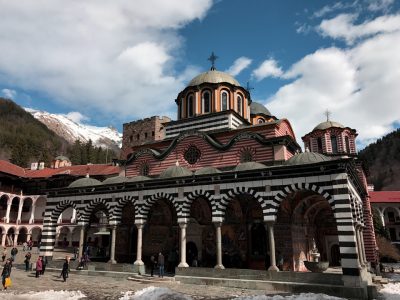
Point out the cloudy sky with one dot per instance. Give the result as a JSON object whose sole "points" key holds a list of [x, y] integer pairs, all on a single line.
{"points": [[109, 62]]}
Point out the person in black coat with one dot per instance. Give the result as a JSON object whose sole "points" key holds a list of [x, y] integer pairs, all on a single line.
{"points": [[65, 269], [6, 273]]}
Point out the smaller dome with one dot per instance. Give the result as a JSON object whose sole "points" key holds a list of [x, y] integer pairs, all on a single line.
{"points": [[213, 76], [86, 181], [115, 180], [258, 108], [175, 171], [247, 166], [328, 124], [138, 178], [207, 171], [62, 157], [306, 158]]}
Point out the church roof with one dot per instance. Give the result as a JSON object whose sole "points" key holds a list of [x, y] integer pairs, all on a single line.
{"points": [[115, 179], [138, 178], [62, 157], [328, 124], [213, 76], [207, 171], [87, 181], [175, 171], [306, 158], [247, 166], [258, 108]]}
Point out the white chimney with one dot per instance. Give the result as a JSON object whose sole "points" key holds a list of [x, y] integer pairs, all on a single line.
{"points": [[34, 166], [41, 165]]}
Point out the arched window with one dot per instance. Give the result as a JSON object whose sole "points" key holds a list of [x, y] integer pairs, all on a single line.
{"points": [[239, 105], [347, 141], [206, 102], [319, 145], [190, 106], [224, 101], [334, 144]]}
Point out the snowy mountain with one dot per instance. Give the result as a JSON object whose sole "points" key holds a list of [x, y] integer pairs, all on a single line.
{"points": [[62, 125]]}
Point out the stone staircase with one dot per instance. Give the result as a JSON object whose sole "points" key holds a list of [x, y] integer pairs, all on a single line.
{"points": [[379, 280]]}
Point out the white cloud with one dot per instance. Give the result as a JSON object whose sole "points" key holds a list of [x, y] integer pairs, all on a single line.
{"points": [[380, 5], [342, 27], [9, 94], [77, 117], [239, 65], [359, 85], [97, 56], [268, 68]]}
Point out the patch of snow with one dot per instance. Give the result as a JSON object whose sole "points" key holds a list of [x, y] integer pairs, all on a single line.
{"points": [[303, 296], [153, 293], [44, 295], [391, 291]]}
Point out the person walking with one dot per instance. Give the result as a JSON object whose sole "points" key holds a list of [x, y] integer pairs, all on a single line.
{"points": [[14, 252], [4, 254], [153, 265], [65, 269], [39, 266], [27, 261], [6, 273], [161, 262], [44, 264]]}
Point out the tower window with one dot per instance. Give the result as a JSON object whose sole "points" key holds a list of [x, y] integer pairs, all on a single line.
{"points": [[138, 136], [145, 135], [319, 145], [152, 133], [334, 144], [190, 106], [239, 105], [206, 102], [347, 141], [224, 101]]}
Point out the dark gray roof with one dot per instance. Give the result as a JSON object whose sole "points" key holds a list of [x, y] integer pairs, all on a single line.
{"points": [[175, 171], [258, 108], [328, 124], [252, 165], [87, 181], [138, 178], [207, 171], [115, 179], [306, 158], [213, 76], [62, 157]]}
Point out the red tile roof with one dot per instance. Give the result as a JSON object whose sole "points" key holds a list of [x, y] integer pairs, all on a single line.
{"points": [[79, 170], [9, 168], [385, 197]]}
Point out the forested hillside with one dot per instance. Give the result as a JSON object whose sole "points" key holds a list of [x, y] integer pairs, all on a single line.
{"points": [[23, 140], [383, 161]]}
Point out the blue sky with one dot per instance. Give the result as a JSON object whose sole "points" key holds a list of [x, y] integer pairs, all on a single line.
{"points": [[114, 62]]}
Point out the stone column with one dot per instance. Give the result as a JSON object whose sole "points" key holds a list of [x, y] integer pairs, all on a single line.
{"points": [[8, 211], [3, 239], [28, 237], [59, 220], [113, 235], [21, 203], [183, 263], [219, 264], [81, 241], [70, 238], [271, 237], [73, 218], [15, 239], [32, 218], [138, 264], [359, 249], [364, 256]]}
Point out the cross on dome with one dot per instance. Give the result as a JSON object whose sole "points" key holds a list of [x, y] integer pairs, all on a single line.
{"points": [[212, 58], [327, 114]]}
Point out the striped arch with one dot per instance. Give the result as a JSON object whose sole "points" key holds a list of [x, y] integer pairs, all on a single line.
{"points": [[61, 206], [287, 190], [231, 194], [149, 202], [88, 210], [121, 202], [185, 206]]}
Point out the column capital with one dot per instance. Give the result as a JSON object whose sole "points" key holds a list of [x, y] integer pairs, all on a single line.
{"points": [[139, 226], [182, 225], [217, 224], [269, 223]]}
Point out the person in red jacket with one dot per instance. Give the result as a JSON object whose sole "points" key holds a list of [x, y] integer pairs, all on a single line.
{"points": [[39, 266]]}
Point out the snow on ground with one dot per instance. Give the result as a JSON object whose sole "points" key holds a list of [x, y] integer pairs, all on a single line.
{"points": [[45, 295], [153, 293], [391, 291], [303, 296]]}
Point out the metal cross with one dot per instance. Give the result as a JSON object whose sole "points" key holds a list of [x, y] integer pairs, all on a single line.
{"points": [[249, 87], [327, 114], [212, 58]]}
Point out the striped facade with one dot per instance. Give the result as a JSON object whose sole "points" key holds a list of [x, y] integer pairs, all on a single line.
{"points": [[330, 180]]}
